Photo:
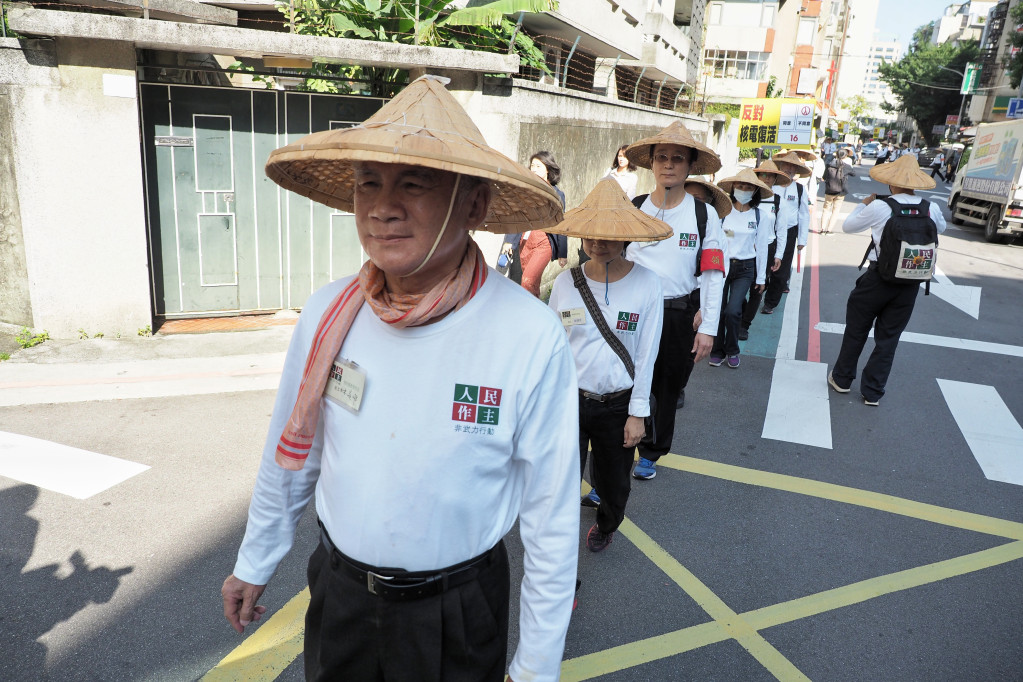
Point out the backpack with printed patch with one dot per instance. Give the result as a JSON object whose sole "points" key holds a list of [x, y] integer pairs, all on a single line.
{"points": [[835, 178], [701, 224], [909, 244]]}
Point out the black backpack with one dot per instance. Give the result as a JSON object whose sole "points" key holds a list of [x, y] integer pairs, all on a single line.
{"points": [[834, 178], [909, 244], [701, 224]]}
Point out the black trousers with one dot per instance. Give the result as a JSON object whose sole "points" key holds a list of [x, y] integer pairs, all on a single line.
{"points": [[671, 374], [741, 276], [780, 279], [937, 169], [460, 634], [752, 305], [602, 426], [887, 308]]}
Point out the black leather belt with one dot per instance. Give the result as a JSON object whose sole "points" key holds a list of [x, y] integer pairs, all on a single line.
{"points": [[741, 260], [603, 398], [683, 302], [394, 584]]}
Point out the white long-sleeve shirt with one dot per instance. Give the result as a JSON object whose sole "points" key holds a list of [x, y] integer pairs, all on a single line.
{"points": [[792, 212], [748, 239], [674, 259], [627, 180], [875, 215], [634, 314], [465, 425]]}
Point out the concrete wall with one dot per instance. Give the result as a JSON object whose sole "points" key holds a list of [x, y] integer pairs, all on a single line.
{"points": [[77, 166]]}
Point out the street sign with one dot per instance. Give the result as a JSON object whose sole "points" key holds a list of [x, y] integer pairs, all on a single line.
{"points": [[1015, 108], [952, 120], [784, 122], [970, 76]]}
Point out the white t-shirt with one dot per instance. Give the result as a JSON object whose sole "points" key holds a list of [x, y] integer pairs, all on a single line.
{"points": [[876, 215], [628, 181], [748, 239], [792, 212], [465, 425], [674, 259], [634, 314]]}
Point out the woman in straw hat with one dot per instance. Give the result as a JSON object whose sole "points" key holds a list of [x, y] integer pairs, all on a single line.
{"points": [[746, 230], [457, 453], [876, 303], [709, 193], [794, 220], [769, 174], [691, 267], [610, 300]]}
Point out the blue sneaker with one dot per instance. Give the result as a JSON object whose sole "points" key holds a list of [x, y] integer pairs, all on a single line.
{"points": [[645, 470], [590, 499]]}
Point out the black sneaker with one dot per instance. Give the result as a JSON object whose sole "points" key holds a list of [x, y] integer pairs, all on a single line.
{"points": [[743, 334], [596, 541], [767, 310]]}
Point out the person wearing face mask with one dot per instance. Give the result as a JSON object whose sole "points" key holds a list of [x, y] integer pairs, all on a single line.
{"points": [[794, 219], [769, 174], [747, 260], [612, 311]]}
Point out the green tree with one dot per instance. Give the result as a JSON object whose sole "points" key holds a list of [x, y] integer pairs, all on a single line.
{"points": [[483, 25], [857, 105], [924, 91]]}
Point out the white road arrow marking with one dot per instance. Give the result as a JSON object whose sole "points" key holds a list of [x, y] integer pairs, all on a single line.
{"points": [[935, 340], [994, 436], [966, 298]]}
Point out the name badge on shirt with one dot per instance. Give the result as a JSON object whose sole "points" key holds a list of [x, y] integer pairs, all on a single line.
{"points": [[572, 317], [345, 385]]}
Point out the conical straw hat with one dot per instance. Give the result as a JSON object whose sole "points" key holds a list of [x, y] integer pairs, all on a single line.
{"points": [[719, 198], [804, 154], [780, 178], [422, 126], [746, 175], [793, 160], [707, 161], [606, 213], [903, 172]]}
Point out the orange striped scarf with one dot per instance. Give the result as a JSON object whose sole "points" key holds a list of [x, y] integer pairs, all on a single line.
{"points": [[404, 310]]}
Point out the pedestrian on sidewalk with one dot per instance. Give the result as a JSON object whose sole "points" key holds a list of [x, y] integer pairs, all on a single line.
{"points": [[836, 186], [612, 310], [794, 219], [420, 468], [769, 174], [885, 294]]}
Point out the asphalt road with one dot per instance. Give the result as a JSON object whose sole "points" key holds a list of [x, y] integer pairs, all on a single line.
{"points": [[888, 555]]}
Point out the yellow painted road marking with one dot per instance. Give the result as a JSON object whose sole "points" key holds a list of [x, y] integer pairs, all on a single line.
{"points": [[269, 650], [841, 493]]}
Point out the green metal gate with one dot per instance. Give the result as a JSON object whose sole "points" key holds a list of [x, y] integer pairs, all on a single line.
{"points": [[223, 237]]}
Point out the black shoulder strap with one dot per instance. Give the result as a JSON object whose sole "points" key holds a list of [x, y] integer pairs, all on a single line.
{"points": [[598, 319], [893, 206], [756, 212], [799, 192], [777, 203], [701, 229], [638, 201]]}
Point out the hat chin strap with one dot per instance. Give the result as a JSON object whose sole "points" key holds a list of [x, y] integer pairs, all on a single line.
{"points": [[443, 228]]}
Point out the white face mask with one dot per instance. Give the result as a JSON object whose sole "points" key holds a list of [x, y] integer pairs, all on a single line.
{"points": [[742, 196]]}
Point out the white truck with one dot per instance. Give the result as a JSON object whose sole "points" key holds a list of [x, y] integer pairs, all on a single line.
{"points": [[987, 190]]}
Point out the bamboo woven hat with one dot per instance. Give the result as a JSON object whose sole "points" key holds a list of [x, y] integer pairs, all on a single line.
{"points": [[793, 160], [422, 126], [780, 178], [719, 198], [904, 172], [746, 175], [804, 154], [707, 161], [606, 213]]}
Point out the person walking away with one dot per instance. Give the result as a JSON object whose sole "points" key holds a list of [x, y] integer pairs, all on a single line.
{"points": [[794, 219], [747, 260], [937, 163], [769, 174], [623, 173], [410, 579], [612, 311], [836, 186], [903, 243], [691, 268]]}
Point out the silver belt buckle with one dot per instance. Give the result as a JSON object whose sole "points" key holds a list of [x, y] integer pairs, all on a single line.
{"points": [[371, 581]]}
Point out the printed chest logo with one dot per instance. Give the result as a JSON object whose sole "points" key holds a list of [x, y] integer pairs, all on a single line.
{"points": [[687, 241], [752, 226], [627, 322], [476, 408]]}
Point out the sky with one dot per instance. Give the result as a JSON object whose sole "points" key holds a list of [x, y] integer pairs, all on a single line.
{"points": [[897, 19]]}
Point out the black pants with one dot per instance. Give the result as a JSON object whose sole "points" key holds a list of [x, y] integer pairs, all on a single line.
{"points": [[937, 169], [602, 426], [780, 279], [741, 275], [885, 306], [751, 306], [350, 634], [671, 374]]}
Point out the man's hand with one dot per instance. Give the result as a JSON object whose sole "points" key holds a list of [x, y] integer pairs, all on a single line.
{"points": [[760, 287], [867, 200], [800, 247], [777, 264], [697, 319], [240, 600], [634, 430], [702, 345]]}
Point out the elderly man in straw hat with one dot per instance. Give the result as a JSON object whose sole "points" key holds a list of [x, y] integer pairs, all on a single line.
{"points": [[876, 302], [612, 310], [422, 449], [794, 220], [691, 267]]}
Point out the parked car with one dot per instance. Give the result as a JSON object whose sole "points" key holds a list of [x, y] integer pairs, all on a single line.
{"points": [[851, 150], [870, 150], [927, 155]]}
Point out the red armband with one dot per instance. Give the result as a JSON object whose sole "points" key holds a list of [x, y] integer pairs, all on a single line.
{"points": [[712, 259]]}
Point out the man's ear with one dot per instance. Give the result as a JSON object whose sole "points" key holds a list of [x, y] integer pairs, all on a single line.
{"points": [[479, 205]]}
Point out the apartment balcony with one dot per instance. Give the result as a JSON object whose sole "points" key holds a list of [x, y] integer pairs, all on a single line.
{"points": [[754, 38], [733, 89], [604, 28], [666, 52]]}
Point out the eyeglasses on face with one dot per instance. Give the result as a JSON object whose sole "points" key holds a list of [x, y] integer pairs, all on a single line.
{"points": [[676, 159]]}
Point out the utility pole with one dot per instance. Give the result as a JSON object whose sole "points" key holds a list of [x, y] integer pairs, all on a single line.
{"points": [[841, 52]]}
